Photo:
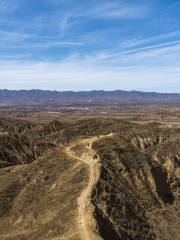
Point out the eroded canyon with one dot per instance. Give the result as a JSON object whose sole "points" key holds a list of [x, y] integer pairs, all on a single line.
{"points": [[125, 175]]}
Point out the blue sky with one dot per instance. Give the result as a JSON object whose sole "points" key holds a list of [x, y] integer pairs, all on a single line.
{"points": [[90, 44]]}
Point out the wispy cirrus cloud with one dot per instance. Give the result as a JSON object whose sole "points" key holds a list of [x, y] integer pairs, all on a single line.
{"points": [[124, 70], [11, 36], [149, 48], [27, 41], [64, 19], [114, 9], [87, 45], [87, 77], [64, 22], [129, 43], [119, 10], [147, 55]]}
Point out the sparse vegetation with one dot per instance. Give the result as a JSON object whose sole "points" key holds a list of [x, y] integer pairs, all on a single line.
{"points": [[136, 195]]}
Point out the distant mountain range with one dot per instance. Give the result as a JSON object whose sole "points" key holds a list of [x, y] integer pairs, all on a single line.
{"points": [[86, 98]]}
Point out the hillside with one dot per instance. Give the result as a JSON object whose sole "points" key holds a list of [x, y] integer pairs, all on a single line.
{"points": [[40, 97], [89, 179]]}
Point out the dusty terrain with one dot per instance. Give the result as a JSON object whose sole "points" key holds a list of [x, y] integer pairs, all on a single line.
{"points": [[169, 115], [90, 158], [81, 176]]}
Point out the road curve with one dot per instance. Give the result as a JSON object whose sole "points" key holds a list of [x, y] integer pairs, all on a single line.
{"points": [[90, 158]]}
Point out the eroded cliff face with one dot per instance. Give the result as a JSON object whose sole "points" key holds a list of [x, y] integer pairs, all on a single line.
{"points": [[23, 142], [16, 126], [149, 138], [137, 194], [20, 149]]}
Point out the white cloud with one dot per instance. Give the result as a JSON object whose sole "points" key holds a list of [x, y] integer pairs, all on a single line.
{"points": [[139, 68], [64, 21], [141, 41], [10, 36], [134, 56], [80, 75], [116, 10], [23, 41], [155, 65]]}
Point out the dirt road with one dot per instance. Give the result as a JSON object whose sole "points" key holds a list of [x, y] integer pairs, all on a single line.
{"points": [[90, 158]]}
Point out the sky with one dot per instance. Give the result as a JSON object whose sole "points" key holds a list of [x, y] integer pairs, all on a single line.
{"points": [[90, 44]]}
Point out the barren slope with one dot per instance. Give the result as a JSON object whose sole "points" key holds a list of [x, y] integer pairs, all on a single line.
{"points": [[137, 196], [64, 181]]}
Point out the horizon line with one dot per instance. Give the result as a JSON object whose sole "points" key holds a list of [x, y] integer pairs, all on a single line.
{"points": [[92, 90]]}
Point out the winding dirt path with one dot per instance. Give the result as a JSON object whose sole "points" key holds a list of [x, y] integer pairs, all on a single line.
{"points": [[90, 158]]}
